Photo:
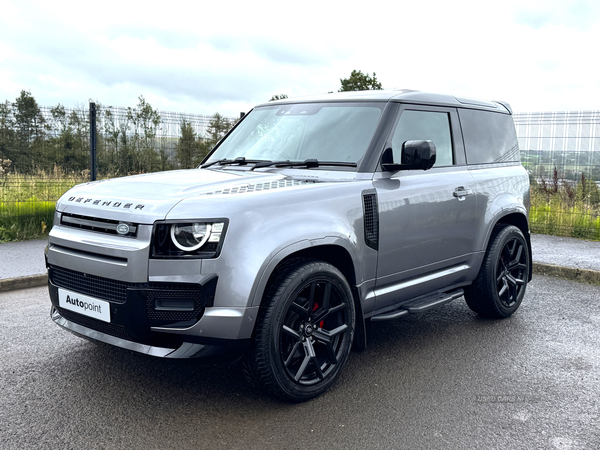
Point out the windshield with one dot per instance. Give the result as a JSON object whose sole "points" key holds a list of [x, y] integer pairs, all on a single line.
{"points": [[339, 132]]}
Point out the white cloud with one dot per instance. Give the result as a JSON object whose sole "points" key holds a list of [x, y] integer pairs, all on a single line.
{"points": [[204, 57]]}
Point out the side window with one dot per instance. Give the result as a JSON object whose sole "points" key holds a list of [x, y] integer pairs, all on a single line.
{"points": [[425, 125], [489, 137]]}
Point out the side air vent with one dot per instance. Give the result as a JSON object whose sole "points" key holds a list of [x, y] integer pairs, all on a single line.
{"points": [[371, 218]]}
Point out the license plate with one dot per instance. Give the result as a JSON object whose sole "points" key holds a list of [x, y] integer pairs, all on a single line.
{"points": [[83, 304]]}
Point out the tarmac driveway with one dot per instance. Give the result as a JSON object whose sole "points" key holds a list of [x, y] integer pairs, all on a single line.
{"points": [[441, 380]]}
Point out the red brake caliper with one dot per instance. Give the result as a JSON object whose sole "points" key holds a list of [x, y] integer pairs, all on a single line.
{"points": [[315, 307]]}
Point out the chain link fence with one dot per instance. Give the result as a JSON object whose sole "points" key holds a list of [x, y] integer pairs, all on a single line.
{"points": [[561, 151], [46, 150], [129, 140]]}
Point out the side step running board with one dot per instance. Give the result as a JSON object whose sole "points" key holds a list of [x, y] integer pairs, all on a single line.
{"points": [[420, 305]]}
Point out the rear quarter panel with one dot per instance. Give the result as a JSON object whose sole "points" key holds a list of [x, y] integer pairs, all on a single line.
{"points": [[501, 189]]}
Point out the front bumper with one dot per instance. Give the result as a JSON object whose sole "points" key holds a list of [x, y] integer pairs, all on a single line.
{"points": [[148, 317], [181, 350]]}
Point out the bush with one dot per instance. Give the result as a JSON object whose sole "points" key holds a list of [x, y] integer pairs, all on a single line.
{"points": [[561, 208], [27, 203], [25, 220]]}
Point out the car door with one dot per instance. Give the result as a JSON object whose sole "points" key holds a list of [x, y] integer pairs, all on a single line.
{"points": [[426, 218]]}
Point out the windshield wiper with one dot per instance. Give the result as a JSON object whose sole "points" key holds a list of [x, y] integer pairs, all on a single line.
{"points": [[307, 162], [338, 163], [287, 163], [258, 163], [242, 161]]}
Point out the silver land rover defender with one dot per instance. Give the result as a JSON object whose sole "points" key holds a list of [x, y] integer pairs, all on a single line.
{"points": [[308, 219]]}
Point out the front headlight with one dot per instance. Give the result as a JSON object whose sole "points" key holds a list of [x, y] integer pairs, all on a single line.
{"points": [[190, 237], [200, 239]]}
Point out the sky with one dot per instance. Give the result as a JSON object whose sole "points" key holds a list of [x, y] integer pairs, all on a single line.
{"points": [[227, 56]]}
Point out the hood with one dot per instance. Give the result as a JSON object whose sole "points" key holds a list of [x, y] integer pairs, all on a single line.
{"points": [[149, 197]]}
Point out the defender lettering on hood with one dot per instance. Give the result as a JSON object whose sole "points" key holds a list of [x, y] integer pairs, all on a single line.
{"points": [[98, 202]]}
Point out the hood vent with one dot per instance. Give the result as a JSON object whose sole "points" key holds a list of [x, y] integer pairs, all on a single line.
{"points": [[260, 187]]}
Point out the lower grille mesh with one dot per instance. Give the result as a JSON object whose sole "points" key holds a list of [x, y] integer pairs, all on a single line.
{"points": [[104, 288], [115, 292], [192, 297]]}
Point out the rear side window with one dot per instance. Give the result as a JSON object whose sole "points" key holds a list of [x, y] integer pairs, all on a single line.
{"points": [[425, 125], [489, 137]]}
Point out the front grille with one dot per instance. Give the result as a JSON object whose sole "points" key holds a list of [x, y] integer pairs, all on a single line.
{"points": [[105, 226], [103, 288]]}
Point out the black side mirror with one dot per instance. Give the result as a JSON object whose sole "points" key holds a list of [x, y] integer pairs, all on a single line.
{"points": [[418, 154], [415, 155]]}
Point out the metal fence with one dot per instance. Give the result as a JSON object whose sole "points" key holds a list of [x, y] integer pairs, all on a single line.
{"points": [[569, 141], [46, 151], [128, 139], [561, 151]]}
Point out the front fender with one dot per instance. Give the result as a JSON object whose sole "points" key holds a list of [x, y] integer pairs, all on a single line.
{"points": [[264, 228], [270, 264], [247, 262]]}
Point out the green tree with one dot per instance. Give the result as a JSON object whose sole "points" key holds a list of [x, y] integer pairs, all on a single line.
{"points": [[187, 147], [6, 130], [62, 134], [145, 122], [29, 128], [217, 128], [111, 131], [118, 156], [28, 117], [203, 149], [278, 97], [77, 155], [358, 81]]}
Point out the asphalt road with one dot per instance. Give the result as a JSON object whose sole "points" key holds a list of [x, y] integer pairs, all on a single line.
{"points": [[444, 379]]}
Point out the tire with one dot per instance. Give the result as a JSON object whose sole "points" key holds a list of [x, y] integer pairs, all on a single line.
{"points": [[498, 290], [304, 332]]}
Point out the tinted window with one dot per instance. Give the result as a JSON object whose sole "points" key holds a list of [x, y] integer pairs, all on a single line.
{"points": [[489, 137], [327, 132], [424, 125]]}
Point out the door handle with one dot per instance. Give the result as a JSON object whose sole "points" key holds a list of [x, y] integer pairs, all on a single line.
{"points": [[460, 193]]}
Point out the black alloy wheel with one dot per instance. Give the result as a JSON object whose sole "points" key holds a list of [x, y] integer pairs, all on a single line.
{"points": [[498, 290], [304, 333], [511, 271]]}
